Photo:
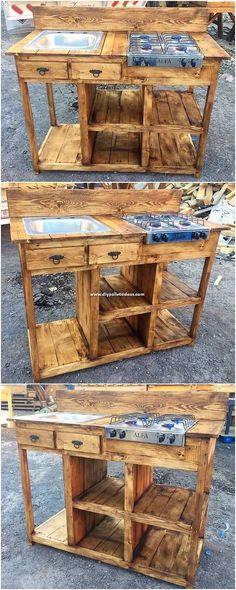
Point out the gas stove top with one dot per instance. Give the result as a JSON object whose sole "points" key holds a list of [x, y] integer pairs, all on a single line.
{"points": [[166, 429], [174, 50], [169, 228]]}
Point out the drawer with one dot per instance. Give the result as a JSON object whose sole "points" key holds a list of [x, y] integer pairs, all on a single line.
{"points": [[35, 437], [113, 253], [55, 258], [96, 71], [84, 443], [43, 70]]}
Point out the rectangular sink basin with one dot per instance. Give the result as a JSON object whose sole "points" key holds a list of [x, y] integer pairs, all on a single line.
{"points": [[69, 40], [62, 417], [64, 225]]}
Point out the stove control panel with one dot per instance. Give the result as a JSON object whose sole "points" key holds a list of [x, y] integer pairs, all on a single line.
{"points": [[146, 436]]}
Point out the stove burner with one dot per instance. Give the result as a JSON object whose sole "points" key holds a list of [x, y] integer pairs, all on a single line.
{"points": [[164, 50]]}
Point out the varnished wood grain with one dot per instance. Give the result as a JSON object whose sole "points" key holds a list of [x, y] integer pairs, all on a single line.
{"points": [[105, 19]]}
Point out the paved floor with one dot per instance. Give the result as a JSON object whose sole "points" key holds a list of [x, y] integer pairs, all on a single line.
{"points": [[25, 566], [210, 360], [16, 161]]}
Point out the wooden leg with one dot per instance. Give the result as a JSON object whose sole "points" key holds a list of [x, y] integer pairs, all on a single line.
{"points": [[51, 104], [86, 94], [29, 123], [26, 492], [220, 25], [193, 553], [202, 293], [206, 121], [30, 316]]}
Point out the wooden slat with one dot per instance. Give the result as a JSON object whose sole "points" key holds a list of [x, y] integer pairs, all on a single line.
{"points": [[172, 151], [175, 293], [59, 343], [143, 19], [116, 149], [168, 328]]}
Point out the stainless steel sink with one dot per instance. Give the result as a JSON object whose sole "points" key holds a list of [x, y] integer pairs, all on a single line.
{"points": [[69, 40], [64, 225], [62, 417]]}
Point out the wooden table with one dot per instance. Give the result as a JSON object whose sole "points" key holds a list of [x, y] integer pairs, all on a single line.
{"points": [[131, 129], [133, 523], [129, 313]]}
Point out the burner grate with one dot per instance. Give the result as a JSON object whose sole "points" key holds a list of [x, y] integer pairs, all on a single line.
{"points": [[146, 419]]}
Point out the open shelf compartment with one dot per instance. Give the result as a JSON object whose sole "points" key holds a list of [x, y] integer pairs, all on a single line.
{"points": [[169, 331], [121, 109], [106, 496], [119, 335], [168, 506], [177, 110], [176, 293], [128, 301]]}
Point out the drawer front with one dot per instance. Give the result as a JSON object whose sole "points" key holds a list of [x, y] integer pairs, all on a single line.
{"points": [[43, 70], [84, 443], [50, 258], [113, 253], [96, 71], [35, 437]]}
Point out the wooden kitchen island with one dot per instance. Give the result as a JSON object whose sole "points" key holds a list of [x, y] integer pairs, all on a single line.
{"points": [[154, 529], [131, 129], [117, 315]]}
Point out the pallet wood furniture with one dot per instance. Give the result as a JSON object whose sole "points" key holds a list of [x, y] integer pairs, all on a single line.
{"points": [[129, 313], [131, 129], [134, 523]]}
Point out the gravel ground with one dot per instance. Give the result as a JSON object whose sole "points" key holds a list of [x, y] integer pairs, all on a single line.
{"points": [[26, 566], [16, 162], [210, 360]]}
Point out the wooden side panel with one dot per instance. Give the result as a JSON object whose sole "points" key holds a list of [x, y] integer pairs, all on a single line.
{"points": [[91, 202], [79, 475], [106, 19], [138, 478], [203, 401]]}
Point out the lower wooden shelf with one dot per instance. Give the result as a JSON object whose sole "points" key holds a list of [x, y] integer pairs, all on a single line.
{"points": [[176, 293], [62, 346], [169, 152], [172, 152], [169, 331], [117, 336], [161, 554]]}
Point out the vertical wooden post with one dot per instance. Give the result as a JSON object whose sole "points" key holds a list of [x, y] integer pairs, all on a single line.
{"points": [[147, 120], [202, 293], [25, 478], [200, 486], [85, 101], [87, 307], [51, 104], [30, 315], [29, 123], [206, 119]]}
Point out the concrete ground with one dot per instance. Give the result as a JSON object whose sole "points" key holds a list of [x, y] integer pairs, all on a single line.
{"points": [[210, 360], [16, 161], [26, 566]]}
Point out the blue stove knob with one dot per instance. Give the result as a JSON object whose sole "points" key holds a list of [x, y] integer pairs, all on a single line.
{"points": [[193, 63], [203, 235], [183, 63], [164, 237]]}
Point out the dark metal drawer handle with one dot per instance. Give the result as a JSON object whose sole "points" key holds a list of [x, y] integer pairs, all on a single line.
{"points": [[114, 255], [42, 71], [34, 437], [95, 73], [77, 443], [56, 258]]}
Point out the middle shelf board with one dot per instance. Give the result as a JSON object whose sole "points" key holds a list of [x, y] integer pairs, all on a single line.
{"points": [[123, 109]]}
